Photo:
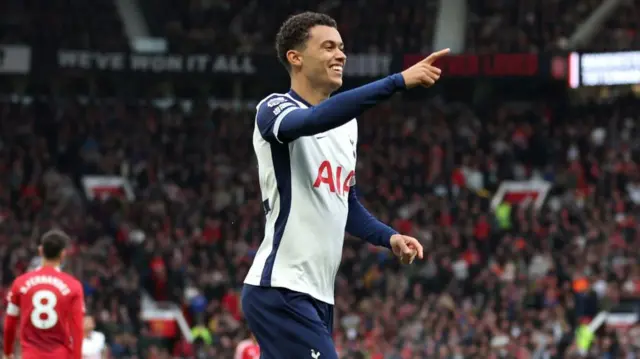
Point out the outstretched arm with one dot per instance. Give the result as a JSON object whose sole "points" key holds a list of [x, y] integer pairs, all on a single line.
{"points": [[281, 119], [362, 224]]}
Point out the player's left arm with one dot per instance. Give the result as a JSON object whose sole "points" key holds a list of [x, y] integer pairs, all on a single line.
{"points": [[362, 224], [77, 316], [11, 320]]}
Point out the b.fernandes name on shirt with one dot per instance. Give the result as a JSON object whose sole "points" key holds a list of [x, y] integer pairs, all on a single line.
{"points": [[45, 279]]}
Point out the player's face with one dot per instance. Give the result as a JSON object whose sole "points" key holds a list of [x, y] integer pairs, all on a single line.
{"points": [[324, 58]]}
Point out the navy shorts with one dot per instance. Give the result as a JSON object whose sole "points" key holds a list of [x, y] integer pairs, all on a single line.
{"points": [[288, 324]]}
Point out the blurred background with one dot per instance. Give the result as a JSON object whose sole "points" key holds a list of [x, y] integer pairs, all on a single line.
{"points": [[128, 124]]}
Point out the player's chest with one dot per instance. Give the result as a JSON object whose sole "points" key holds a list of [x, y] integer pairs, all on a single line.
{"points": [[328, 160], [337, 146]]}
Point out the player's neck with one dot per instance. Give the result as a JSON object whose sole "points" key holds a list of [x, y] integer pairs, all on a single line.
{"points": [[50, 264], [307, 91]]}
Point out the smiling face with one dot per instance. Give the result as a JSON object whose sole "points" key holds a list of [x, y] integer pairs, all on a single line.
{"points": [[322, 58]]}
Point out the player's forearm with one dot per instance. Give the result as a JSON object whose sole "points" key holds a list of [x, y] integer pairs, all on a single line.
{"points": [[9, 337], [362, 224], [339, 109]]}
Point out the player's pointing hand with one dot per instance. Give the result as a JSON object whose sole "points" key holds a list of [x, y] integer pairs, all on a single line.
{"points": [[424, 73], [406, 248]]}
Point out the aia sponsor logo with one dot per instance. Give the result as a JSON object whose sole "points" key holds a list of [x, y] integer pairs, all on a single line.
{"points": [[336, 179]]}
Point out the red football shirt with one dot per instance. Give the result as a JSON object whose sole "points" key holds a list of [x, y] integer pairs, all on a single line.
{"points": [[50, 307]]}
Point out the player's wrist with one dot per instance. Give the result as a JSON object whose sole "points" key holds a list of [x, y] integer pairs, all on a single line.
{"points": [[398, 81], [387, 243]]}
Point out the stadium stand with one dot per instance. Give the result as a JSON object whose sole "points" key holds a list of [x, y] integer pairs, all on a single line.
{"points": [[75, 24], [536, 26], [229, 26], [620, 32], [162, 200]]}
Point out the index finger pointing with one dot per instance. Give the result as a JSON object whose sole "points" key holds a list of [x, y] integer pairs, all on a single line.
{"points": [[436, 55]]}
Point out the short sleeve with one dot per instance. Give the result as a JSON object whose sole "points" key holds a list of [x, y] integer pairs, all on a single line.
{"points": [[13, 300], [270, 114]]}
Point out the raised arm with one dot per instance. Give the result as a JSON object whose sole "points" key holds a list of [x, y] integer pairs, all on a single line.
{"points": [[281, 119]]}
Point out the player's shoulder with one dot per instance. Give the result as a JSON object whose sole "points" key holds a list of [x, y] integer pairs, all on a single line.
{"points": [[70, 280], [275, 99], [24, 277], [275, 104], [19, 280]]}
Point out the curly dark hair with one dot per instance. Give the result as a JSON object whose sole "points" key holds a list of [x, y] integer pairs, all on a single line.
{"points": [[294, 32]]}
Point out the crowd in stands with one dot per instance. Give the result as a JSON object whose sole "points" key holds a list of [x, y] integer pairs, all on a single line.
{"points": [[74, 24], [538, 26], [251, 26], [227, 26], [620, 32], [489, 287]]}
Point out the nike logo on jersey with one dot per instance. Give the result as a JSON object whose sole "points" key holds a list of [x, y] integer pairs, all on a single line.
{"points": [[315, 354]]}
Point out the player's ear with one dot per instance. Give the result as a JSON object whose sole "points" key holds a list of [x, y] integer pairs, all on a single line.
{"points": [[294, 57]]}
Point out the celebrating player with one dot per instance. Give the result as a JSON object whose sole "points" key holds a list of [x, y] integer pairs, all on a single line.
{"points": [[305, 142], [48, 304]]}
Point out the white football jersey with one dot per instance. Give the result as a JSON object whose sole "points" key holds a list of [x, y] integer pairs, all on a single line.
{"points": [[305, 189], [93, 346]]}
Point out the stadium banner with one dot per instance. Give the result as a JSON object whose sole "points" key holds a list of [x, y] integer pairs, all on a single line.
{"points": [[155, 63], [259, 65], [517, 65], [521, 193], [15, 59], [102, 187], [604, 69], [163, 328]]}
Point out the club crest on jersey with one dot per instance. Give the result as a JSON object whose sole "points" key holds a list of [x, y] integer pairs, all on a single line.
{"points": [[276, 101], [335, 180]]}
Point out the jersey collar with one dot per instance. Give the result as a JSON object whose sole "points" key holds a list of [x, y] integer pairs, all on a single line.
{"points": [[299, 98]]}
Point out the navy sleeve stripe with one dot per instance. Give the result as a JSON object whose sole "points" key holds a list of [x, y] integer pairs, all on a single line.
{"points": [[278, 122], [270, 113]]}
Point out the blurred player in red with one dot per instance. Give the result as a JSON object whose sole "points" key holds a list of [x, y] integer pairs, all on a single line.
{"points": [[247, 349], [48, 306]]}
